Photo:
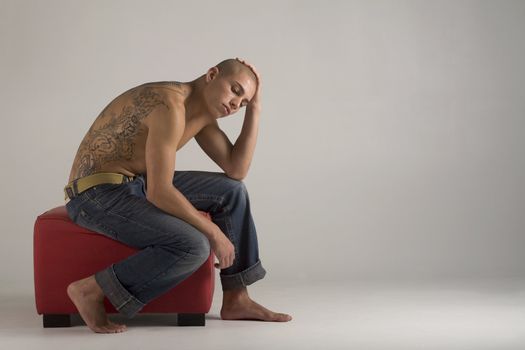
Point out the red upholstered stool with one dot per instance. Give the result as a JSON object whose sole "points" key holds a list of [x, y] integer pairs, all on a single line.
{"points": [[65, 252]]}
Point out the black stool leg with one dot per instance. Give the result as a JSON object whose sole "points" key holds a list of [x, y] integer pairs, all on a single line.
{"points": [[60, 320], [190, 320]]}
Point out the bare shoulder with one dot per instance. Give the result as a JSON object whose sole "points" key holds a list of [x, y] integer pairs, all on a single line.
{"points": [[172, 91], [172, 101]]}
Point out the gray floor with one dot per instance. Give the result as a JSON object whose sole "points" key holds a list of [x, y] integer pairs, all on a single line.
{"points": [[487, 314]]}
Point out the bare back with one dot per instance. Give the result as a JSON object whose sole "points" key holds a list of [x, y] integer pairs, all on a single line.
{"points": [[116, 141]]}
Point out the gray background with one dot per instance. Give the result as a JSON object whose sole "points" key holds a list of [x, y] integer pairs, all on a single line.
{"points": [[391, 140]]}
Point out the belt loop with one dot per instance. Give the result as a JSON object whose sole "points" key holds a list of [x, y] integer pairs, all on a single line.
{"points": [[75, 188], [69, 192]]}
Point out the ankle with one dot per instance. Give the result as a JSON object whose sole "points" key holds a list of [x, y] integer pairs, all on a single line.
{"points": [[235, 295], [89, 288]]}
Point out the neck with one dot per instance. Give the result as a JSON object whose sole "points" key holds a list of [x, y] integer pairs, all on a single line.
{"points": [[195, 103]]}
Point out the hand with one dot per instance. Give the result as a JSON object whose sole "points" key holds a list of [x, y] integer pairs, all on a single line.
{"points": [[255, 101], [223, 250]]}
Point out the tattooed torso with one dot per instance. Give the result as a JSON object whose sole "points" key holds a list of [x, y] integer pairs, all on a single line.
{"points": [[116, 141]]}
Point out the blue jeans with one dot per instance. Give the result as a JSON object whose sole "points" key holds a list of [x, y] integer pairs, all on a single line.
{"points": [[170, 249]]}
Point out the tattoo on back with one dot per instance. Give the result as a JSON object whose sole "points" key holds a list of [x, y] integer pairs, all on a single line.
{"points": [[168, 83], [115, 140]]}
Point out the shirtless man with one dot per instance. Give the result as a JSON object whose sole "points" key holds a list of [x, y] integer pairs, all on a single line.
{"points": [[156, 208]]}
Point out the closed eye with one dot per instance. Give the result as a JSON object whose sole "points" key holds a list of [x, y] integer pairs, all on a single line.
{"points": [[239, 91]]}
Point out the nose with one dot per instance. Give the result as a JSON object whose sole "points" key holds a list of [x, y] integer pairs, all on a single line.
{"points": [[234, 105]]}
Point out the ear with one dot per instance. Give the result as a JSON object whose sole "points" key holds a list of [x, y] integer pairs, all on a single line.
{"points": [[212, 74]]}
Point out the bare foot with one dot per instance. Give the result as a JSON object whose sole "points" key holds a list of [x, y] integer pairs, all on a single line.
{"points": [[89, 300], [237, 305]]}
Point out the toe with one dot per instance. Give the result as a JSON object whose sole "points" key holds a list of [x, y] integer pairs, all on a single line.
{"points": [[100, 330], [108, 329], [118, 326], [283, 317], [122, 328], [112, 328]]}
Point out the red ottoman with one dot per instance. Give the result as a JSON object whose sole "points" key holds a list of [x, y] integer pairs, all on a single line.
{"points": [[65, 252]]}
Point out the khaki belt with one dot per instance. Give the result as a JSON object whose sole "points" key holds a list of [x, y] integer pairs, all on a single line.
{"points": [[75, 187]]}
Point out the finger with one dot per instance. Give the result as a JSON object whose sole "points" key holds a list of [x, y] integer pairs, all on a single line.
{"points": [[246, 64], [255, 72], [252, 68]]}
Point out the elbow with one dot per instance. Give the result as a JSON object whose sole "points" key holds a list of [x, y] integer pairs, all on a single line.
{"points": [[163, 195], [155, 197], [236, 175], [152, 199]]}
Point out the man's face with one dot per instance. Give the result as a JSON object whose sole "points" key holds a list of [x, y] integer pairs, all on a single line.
{"points": [[227, 94]]}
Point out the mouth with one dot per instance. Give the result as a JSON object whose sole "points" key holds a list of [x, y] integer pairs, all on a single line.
{"points": [[226, 109]]}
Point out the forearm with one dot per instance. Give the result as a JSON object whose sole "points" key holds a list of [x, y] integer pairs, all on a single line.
{"points": [[244, 147], [173, 202]]}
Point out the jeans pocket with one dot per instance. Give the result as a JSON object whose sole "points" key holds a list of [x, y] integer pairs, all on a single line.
{"points": [[89, 221]]}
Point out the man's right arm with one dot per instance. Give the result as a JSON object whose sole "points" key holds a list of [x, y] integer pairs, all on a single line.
{"points": [[165, 131]]}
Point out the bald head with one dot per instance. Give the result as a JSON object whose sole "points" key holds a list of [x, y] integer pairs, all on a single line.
{"points": [[232, 66]]}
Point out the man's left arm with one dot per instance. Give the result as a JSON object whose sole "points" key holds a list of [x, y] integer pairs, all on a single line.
{"points": [[234, 159]]}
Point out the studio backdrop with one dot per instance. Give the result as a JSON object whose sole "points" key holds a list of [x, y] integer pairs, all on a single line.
{"points": [[391, 138]]}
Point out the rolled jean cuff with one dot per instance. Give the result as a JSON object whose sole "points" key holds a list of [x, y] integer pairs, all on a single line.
{"points": [[244, 278], [120, 298]]}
